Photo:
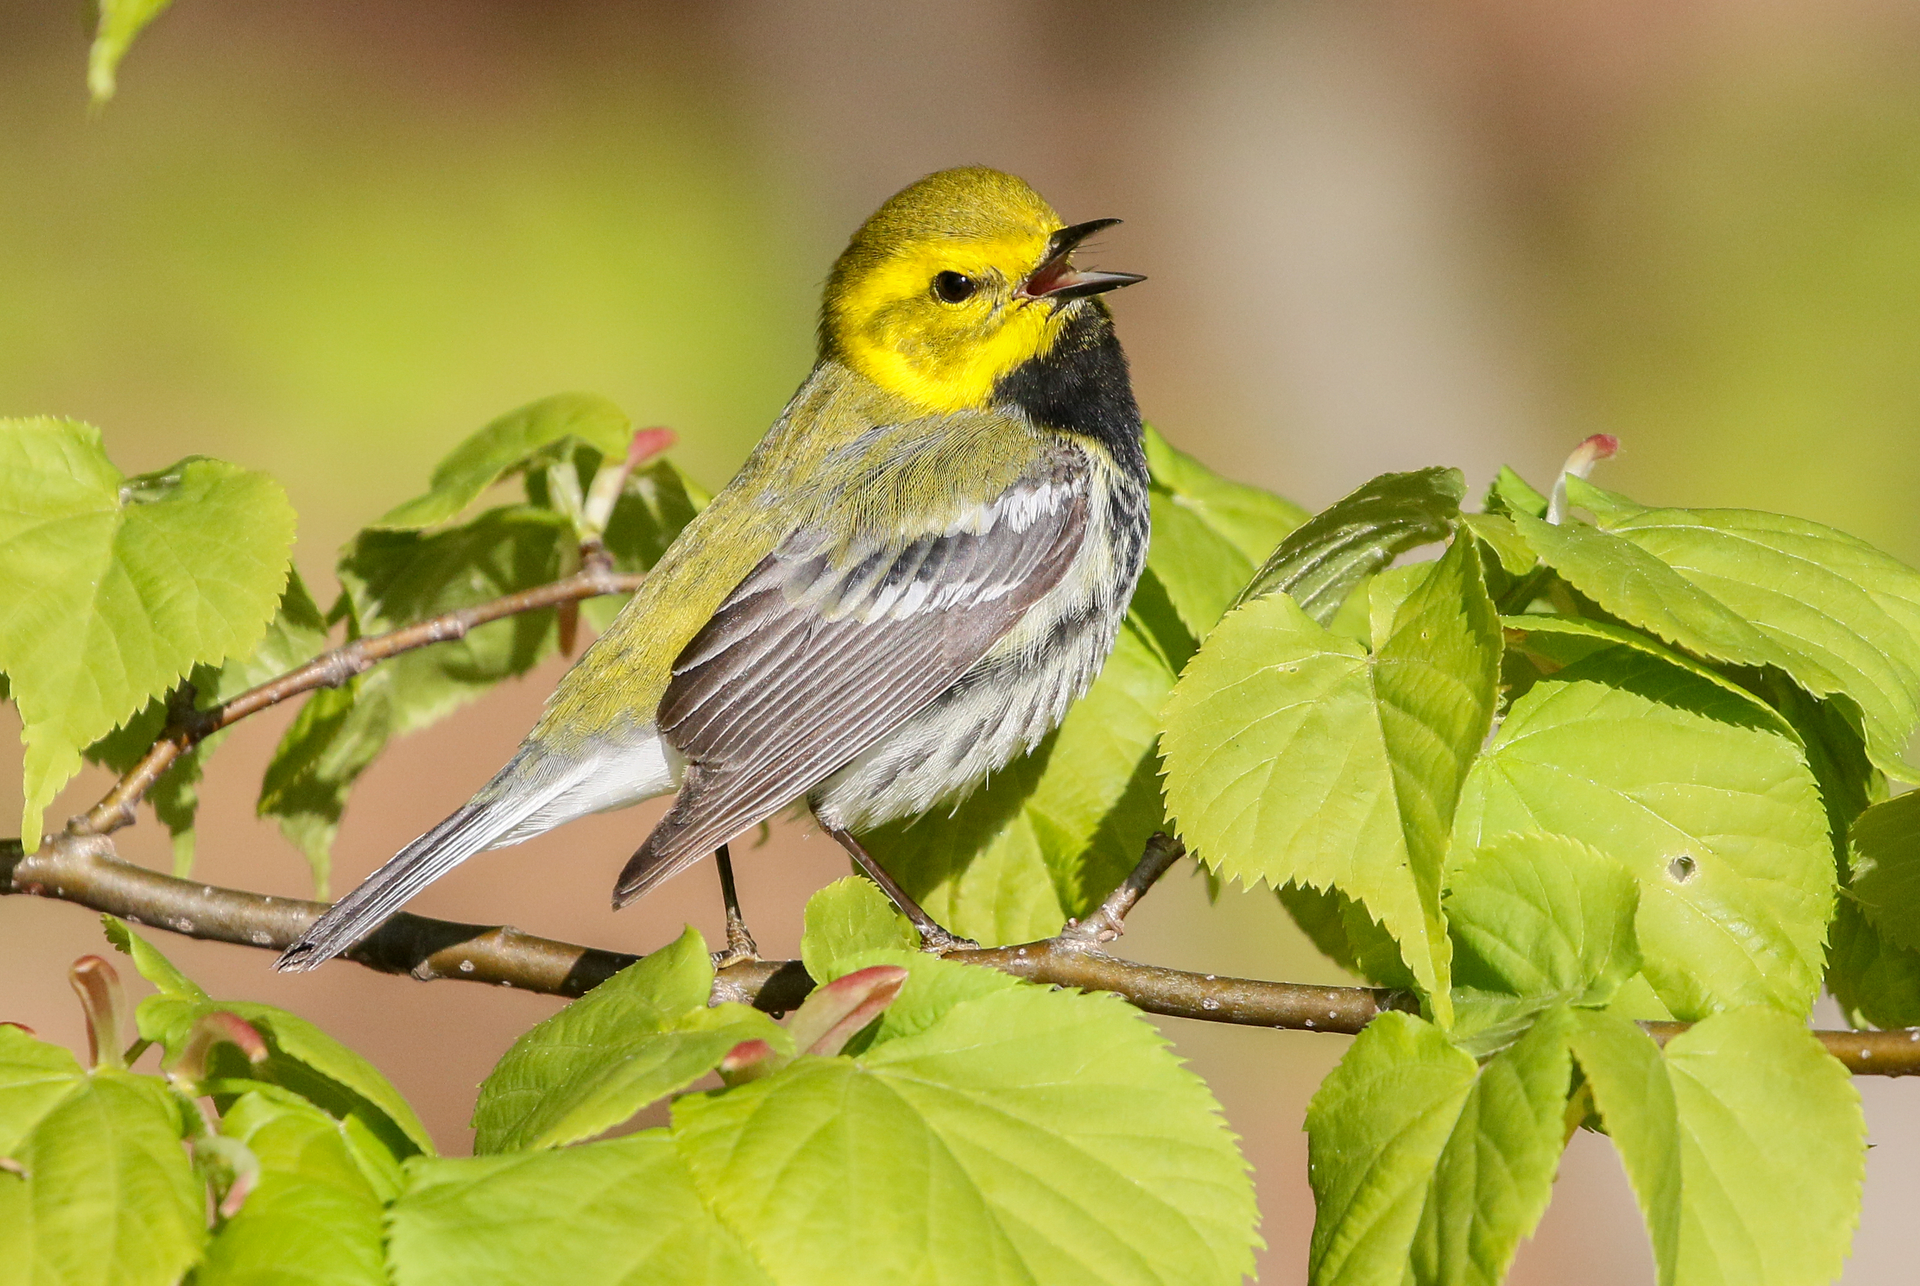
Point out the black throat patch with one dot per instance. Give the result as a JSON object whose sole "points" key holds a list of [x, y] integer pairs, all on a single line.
{"points": [[1081, 386]]}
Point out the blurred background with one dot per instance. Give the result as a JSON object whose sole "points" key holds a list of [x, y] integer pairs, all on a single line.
{"points": [[328, 240]]}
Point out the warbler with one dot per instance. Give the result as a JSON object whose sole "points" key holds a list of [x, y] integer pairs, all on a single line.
{"points": [[917, 570]]}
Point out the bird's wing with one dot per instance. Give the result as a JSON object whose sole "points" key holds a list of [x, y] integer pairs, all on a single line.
{"points": [[819, 652]]}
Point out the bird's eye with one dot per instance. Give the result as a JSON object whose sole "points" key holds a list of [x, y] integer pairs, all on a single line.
{"points": [[954, 287]]}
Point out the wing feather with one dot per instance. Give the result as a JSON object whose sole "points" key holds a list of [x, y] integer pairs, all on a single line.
{"points": [[818, 653]]}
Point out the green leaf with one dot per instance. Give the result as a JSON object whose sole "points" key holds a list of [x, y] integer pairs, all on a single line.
{"points": [[152, 966], [1208, 534], [644, 1033], [1387, 593], [1202, 571], [1495, 1175], [297, 635], [107, 1194], [1745, 1144], [1426, 1168], [1512, 493], [175, 797], [618, 1213], [301, 1057], [1275, 764], [542, 430], [1054, 831], [847, 917], [1633, 585], [1435, 677], [1842, 617], [34, 1077], [1720, 823], [1553, 643], [311, 1217], [1376, 1129], [1607, 507], [1534, 914], [1292, 755], [120, 22], [1886, 869], [1341, 928], [658, 502], [1514, 555], [1829, 733], [1006, 1140], [118, 586], [999, 1132], [396, 578], [320, 1069], [1876, 983], [1250, 519], [1487, 1023], [1633, 1095], [930, 993], [1322, 560], [338, 733]]}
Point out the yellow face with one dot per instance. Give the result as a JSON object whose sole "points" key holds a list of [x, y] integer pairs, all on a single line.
{"points": [[936, 297]]}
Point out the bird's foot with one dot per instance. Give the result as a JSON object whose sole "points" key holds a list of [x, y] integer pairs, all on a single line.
{"points": [[740, 948], [937, 941]]}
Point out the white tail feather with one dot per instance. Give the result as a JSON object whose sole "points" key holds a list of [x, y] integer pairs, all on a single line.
{"points": [[534, 793]]}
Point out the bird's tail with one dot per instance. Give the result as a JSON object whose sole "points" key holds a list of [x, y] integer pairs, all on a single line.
{"points": [[496, 810], [659, 859], [691, 829], [680, 839]]}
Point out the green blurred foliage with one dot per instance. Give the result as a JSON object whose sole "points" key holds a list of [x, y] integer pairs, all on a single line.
{"points": [[320, 260], [1740, 283]]}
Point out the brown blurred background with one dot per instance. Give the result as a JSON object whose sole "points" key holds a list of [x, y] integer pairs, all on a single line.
{"points": [[328, 240]]}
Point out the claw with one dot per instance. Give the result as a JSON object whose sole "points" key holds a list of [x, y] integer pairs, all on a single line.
{"points": [[936, 941]]}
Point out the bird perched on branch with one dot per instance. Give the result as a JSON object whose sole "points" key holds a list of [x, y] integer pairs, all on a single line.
{"points": [[923, 563]]}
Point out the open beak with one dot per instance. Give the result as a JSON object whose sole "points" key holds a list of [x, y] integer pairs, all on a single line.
{"points": [[1056, 279]]}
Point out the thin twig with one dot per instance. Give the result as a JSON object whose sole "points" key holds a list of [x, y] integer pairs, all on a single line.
{"points": [[83, 870], [329, 670], [1109, 919]]}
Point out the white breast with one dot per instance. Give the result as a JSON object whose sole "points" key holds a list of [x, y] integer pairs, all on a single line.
{"points": [[1018, 692]]}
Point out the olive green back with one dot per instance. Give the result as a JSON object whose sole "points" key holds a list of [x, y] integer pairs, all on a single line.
{"points": [[846, 460]]}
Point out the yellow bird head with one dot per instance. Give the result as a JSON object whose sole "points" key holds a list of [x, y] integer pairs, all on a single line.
{"points": [[954, 283]]}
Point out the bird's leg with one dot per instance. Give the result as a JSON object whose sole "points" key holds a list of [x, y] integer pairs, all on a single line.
{"points": [[740, 945], [933, 936]]}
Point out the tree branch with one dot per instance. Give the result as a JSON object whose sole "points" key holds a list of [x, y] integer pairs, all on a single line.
{"points": [[80, 866], [82, 869], [186, 728]]}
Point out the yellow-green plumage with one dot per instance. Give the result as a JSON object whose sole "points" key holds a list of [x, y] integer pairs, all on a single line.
{"points": [[903, 477], [924, 561]]}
